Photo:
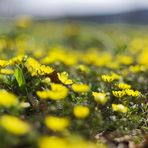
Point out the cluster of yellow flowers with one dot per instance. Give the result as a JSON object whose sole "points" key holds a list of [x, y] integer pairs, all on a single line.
{"points": [[128, 92], [35, 68]]}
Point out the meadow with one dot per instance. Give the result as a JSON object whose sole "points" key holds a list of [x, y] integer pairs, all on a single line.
{"points": [[73, 84]]}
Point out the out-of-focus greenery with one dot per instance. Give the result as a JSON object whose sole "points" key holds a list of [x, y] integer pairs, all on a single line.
{"points": [[72, 84]]}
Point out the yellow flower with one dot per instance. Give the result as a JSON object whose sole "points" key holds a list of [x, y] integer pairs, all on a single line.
{"points": [[80, 88], [63, 77], [57, 92], [3, 63], [70, 142], [124, 86], [35, 68], [110, 78], [119, 108], [100, 97], [14, 125], [43, 94], [119, 93], [125, 59], [7, 99], [17, 60], [81, 111], [142, 58], [107, 78], [136, 68], [132, 93], [56, 123], [83, 68], [6, 71], [52, 142]]}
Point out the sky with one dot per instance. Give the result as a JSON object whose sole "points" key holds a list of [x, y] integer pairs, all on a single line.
{"points": [[55, 8]]}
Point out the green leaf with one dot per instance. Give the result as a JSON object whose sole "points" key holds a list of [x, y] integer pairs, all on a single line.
{"points": [[19, 76]]}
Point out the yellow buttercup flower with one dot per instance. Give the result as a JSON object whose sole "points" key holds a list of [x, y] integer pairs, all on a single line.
{"points": [[70, 142], [136, 68], [63, 77], [43, 94], [124, 86], [35, 68], [100, 97], [14, 125], [17, 60], [7, 99], [83, 68], [3, 63], [110, 78], [56, 123], [119, 108], [80, 88], [81, 111], [57, 92], [6, 71], [143, 56], [125, 59], [52, 142], [132, 93], [119, 93]]}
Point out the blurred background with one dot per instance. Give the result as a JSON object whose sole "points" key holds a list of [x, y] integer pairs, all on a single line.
{"points": [[108, 11]]}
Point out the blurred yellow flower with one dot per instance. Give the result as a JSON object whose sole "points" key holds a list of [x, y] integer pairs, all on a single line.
{"points": [[125, 59], [119, 108], [132, 93], [14, 125], [80, 88], [124, 86], [52, 142], [56, 123], [70, 142], [142, 59], [57, 92], [83, 68], [136, 68], [7, 99], [63, 77], [3, 63], [6, 71], [100, 97], [81, 111]]}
